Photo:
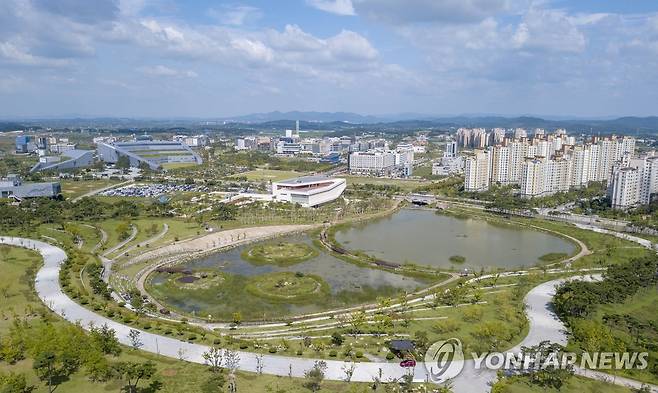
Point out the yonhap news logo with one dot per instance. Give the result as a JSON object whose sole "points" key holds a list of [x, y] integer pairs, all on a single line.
{"points": [[444, 360]]}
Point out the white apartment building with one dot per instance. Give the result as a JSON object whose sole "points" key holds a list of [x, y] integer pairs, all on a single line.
{"points": [[477, 171], [625, 191], [377, 162], [500, 156], [633, 182]]}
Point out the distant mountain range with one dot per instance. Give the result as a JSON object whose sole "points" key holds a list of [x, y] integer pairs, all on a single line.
{"points": [[347, 122], [335, 120]]}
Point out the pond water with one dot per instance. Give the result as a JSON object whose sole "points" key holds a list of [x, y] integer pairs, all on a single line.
{"points": [[418, 236], [426, 238]]}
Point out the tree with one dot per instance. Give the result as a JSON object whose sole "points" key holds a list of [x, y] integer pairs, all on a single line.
{"points": [[224, 212], [106, 340], [133, 373], [214, 358], [45, 367], [337, 339], [135, 340], [315, 376], [546, 373], [123, 162], [232, 359]]}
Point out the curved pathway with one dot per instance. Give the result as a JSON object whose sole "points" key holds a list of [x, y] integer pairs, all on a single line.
{"points": [[130, 238], [544, 325], [160, 235]]}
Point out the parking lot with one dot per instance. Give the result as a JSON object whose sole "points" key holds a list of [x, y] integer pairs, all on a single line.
{"points": [[153, 190]]}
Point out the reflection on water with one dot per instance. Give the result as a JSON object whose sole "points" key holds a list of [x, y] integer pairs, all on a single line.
{"points": [[340, 275], [423, 237]]}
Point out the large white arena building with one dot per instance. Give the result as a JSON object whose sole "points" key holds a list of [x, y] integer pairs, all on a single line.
{"points": [[308, 191]]}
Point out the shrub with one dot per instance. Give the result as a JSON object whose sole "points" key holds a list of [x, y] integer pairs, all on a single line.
{"points": [[333, 353], [272, 350], [191, 337], [390, 356], [299, 352], [217, 341], [245, 346], [359, 354]]}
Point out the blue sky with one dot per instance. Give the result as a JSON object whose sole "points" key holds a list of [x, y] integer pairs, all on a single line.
{"points": [[209, 58]]}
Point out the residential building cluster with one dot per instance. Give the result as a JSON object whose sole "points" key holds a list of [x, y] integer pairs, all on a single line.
{"points": [[546, 163]]}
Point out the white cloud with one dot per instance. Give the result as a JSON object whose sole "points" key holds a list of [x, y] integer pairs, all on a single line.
{"points": [[164, 71], [12, 54], [338, 7], [546, 29], [235, 15], [427, 11]]}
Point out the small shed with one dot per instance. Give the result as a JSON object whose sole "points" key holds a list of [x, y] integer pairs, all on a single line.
{"points": [[401, 347]]}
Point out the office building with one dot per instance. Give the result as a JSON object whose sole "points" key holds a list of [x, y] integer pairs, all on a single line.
{"points": [[376, 162]]}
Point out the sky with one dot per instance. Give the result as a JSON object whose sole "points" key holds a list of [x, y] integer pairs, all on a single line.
{"points": [[209, 58]]}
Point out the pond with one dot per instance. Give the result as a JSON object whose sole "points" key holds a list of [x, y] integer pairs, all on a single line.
{"points": [[427, 238], [417, 236], [349, 284]]}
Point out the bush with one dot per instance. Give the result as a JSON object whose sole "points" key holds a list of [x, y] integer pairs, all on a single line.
{"points": [[245, 346], [167, 332], [390, 356], [299, 352], [472, 314], [272, 350], [359, 354], [333, 353], [191, 337], [147, 326], [217, 341]]}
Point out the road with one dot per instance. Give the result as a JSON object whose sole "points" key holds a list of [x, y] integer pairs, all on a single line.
{"points": [[544, 325]]}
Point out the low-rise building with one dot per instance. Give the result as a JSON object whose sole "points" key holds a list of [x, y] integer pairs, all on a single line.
{"points": [[13, 187], [308, 191]]}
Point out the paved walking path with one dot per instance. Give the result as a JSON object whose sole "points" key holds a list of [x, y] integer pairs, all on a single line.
{"points": [[544, 325]]}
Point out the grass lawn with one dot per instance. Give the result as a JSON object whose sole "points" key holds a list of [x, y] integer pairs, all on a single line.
{"points": [[18, 267], [269, 175], [76, 188], [574, 385], [405, 185]]}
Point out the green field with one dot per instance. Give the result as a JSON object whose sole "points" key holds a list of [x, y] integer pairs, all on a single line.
{"points": [[76, 188], [269, 175]]}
